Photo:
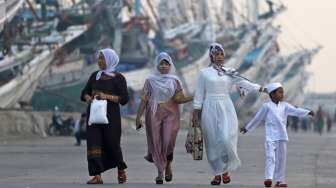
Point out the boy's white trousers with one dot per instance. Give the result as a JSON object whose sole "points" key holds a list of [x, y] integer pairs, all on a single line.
{"points": [[275, 160]]}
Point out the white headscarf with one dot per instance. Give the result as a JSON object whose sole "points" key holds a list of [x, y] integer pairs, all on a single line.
{"points": [[163, 85], [111, 59]]}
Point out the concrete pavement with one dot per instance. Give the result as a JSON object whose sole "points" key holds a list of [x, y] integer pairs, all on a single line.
{"points": [[54, 162]]}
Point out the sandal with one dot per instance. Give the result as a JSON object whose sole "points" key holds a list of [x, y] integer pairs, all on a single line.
{"points": [[95, 180], [216, 180], [158, 180], [268, 183], [279, 184], [226, 178], [122, 176]]}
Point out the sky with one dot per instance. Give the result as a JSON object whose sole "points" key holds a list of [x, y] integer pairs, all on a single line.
{"points": [[310, 23]]}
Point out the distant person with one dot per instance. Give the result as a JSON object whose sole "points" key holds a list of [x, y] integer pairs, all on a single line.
{"points": [[295, 124], [56, 123], [80, 129], [329, 123], [103, 140], [56, 117], [319, 122], [305, 124], [275, 113]]}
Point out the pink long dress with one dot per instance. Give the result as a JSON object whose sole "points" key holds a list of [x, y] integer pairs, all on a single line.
{"points": [[161, 129]]}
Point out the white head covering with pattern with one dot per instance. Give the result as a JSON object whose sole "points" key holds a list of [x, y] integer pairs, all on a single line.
{"points": [[214, 47]]}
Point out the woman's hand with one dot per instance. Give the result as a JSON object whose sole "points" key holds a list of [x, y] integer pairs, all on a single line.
{"points": [[263, 89], [88, 98], [114, 98], [138, 123], [101, 96], [195, 116]]}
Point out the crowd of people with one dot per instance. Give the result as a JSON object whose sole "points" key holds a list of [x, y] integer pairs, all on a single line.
{"points": [[322, 123]]}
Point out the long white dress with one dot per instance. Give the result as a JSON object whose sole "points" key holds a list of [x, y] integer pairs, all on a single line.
{"points": [[219, 119]]}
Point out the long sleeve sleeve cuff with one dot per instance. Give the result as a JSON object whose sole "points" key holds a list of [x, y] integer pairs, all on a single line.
{"points": [[197, 106]]}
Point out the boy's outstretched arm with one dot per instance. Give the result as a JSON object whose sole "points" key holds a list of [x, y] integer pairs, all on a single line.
{"points": [[296, 111], [258, 118]]}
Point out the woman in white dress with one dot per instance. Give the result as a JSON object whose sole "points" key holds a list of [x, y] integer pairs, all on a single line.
{"points": [[218, 116]]}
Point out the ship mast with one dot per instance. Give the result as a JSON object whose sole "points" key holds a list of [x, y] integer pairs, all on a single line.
{"points": [[252, 10]]}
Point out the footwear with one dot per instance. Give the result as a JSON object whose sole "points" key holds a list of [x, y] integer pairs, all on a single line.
{"points": [[95, 180], [122, 178], [158, 180], [168, 174], [226, 178], [268, 183], [216, 180], [280, 184]]}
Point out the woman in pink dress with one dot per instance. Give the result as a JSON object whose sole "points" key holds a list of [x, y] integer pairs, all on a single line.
{"points": [[162, 94]]}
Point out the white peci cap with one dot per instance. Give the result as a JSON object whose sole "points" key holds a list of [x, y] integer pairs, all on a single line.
{"points": [[273, 86]]}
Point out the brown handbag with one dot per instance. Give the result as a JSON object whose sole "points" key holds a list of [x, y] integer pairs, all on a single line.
{"points": [[194, 141]]}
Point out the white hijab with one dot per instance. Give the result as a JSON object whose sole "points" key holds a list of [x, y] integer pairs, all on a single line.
{"points": [[163, 85], [111, 59]]}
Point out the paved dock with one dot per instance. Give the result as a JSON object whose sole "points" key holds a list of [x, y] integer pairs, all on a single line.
{"points": [[54, 162]]}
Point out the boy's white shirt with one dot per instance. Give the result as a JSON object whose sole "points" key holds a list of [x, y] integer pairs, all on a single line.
{"points": [[275, 116]]}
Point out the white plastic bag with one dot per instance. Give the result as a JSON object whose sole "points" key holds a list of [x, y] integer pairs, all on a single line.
{"points": [[98, 112]]}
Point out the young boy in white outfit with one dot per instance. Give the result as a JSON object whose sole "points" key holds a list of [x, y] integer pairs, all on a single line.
{"points": [[275, 114]]}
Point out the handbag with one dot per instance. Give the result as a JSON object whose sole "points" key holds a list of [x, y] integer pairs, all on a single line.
{"points": [[194, 141], [98, 111]]}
